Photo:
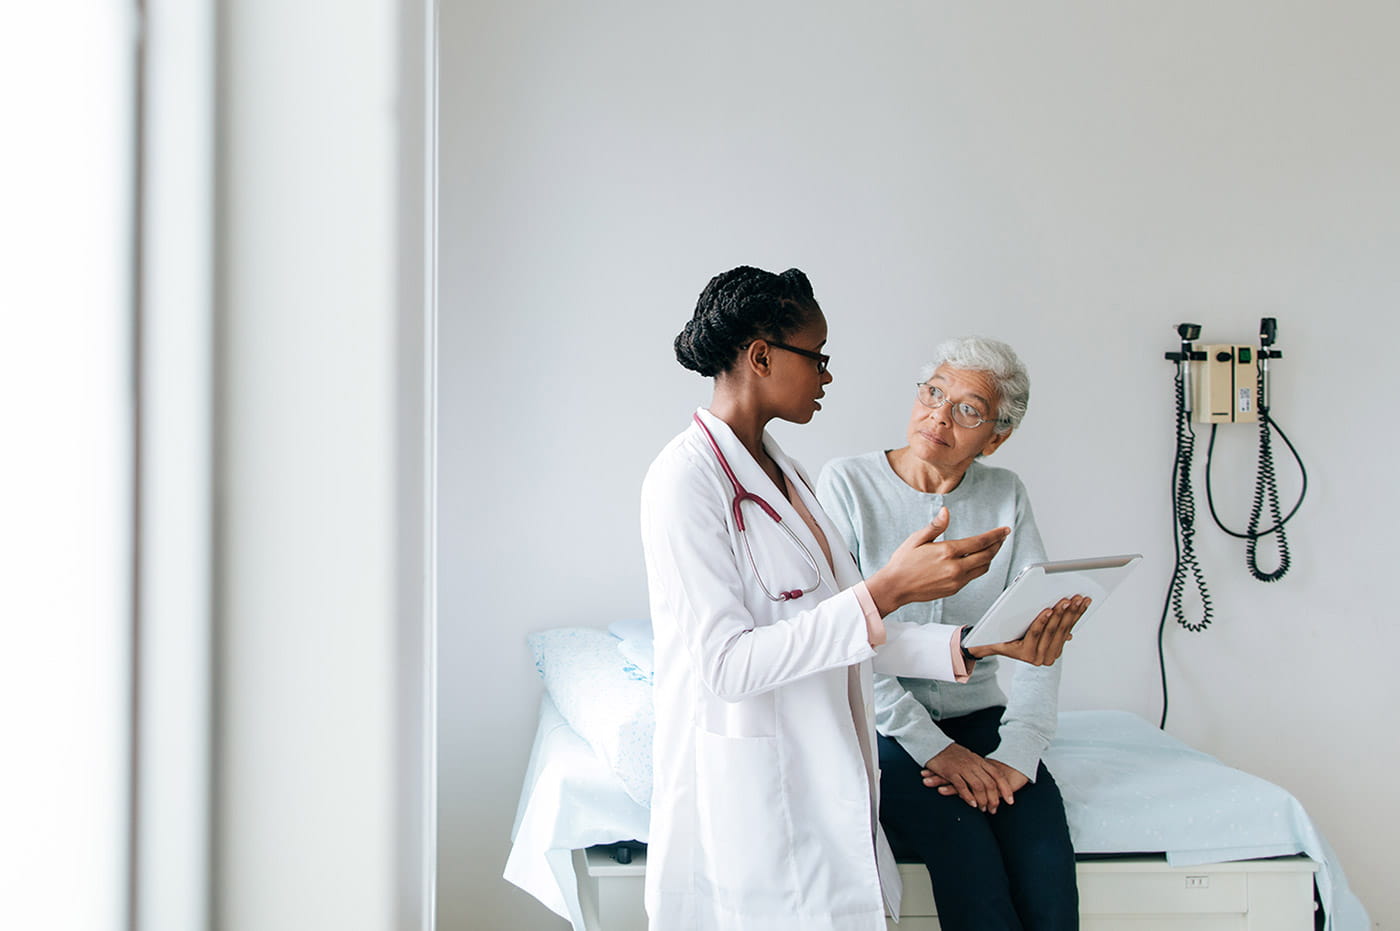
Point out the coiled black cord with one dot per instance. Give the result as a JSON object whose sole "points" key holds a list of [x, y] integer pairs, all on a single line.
{"points": [[1266, 487], [1183, 537], [1265, 492]]}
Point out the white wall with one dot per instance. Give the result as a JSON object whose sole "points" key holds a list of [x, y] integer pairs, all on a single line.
{"points": [[1075, 178], [66, 516]]}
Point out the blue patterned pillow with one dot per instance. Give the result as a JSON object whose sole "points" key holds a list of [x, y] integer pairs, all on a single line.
{"points": [[604, 697]]}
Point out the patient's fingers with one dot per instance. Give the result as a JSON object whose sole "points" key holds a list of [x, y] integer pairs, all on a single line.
{"points": [[984, 791], [1011, 778], [933, 780], [981, 783], [958, 783], [1003, 784]]}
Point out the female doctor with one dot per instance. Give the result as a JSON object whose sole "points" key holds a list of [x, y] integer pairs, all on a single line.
{"points": [[764, 805]]}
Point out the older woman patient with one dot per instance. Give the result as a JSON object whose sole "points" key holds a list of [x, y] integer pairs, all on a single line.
{"points": [[962, 784]]}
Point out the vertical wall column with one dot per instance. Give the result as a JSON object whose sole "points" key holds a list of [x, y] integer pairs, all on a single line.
{"points": [[319, 618]]}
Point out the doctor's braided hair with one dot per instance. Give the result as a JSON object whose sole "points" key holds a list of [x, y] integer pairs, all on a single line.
{"points": [[739, 306]]}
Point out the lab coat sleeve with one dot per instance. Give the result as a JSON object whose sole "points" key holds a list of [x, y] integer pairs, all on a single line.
{"points": [[921, 650], [698, 584]]}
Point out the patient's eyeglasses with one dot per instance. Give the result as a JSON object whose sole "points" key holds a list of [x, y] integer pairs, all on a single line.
{"points": [[820, 358], [963, 413]]}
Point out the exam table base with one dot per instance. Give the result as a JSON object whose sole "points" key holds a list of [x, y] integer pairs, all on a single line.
{"points": [[1119, 894]]}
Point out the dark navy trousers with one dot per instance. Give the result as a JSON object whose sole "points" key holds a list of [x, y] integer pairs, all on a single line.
{"points": [[1011, 871]]}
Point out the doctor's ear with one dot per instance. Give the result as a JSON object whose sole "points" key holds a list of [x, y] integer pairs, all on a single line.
{"points": [[757, 356]]}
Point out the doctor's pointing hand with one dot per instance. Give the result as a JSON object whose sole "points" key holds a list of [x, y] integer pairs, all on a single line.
{"points": [[766, 794]]}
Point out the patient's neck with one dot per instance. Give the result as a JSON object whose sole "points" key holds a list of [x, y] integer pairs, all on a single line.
{"points": [[921, 476]]}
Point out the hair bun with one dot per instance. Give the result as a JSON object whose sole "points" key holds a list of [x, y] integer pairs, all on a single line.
{"points": [[738, 306]]}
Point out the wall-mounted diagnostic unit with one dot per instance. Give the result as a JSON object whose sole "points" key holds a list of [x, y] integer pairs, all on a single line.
{"points": [[1222, 383], [1227, 381]]}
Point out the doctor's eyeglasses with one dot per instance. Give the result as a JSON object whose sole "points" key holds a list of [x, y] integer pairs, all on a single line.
{"points": [[820, 358], [963, 413]]}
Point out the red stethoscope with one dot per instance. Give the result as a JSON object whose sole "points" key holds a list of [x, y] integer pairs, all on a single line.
{"points": [[740, 496]]}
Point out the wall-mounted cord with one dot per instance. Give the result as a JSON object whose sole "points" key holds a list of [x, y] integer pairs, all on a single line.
{"points": [[1183, 536], [1265, 492]]}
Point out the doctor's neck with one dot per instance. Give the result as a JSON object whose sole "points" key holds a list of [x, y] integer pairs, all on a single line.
{"points": [[745, 415]]}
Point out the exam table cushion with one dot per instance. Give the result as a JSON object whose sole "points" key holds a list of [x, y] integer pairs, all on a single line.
{"points": [[604, 696]]}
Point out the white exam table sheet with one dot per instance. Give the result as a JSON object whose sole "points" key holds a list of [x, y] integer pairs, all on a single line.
{"points": [[1131, 788], [570, 799], [1128, 788]]}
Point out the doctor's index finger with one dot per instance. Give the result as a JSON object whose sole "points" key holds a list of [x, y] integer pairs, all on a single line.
{"points": [[988, 542]]}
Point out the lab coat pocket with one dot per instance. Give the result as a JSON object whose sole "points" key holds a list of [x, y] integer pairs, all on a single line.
{"points": [[744, 828], [755, 716]]}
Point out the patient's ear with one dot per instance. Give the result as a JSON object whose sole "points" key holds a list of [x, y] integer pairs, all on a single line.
{"points": [[995, 442]]}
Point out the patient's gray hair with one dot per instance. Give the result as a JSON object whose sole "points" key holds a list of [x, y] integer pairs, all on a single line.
{"points": [[997, 359]]}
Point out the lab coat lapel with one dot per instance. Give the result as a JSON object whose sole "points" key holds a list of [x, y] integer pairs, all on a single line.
{"points": [[746, 470], [751, 475]]}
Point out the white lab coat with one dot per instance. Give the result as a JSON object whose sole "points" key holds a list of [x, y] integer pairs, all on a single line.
{"points": [[765, 806]]}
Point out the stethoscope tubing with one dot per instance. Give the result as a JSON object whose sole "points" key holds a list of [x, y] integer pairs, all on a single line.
{"points": [[741, 494]]}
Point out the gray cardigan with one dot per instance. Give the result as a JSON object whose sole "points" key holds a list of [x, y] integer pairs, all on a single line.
{"points": [[876, 510]]}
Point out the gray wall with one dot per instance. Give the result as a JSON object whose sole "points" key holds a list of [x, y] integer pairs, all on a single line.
{"points": [[1075, 179]]}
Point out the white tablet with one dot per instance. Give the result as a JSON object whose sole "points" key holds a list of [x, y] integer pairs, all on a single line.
{"points": [[1040, 585]]}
